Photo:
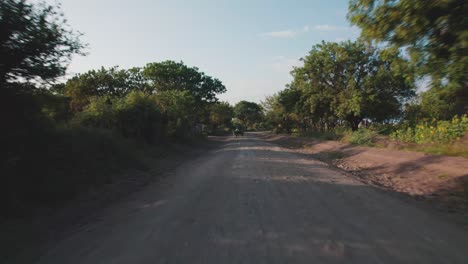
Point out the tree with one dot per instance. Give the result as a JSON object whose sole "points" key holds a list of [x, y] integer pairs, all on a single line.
{"points": [[170, 75], [113, 82], [139, 116], [276, 115], [443, 103], [220, 115], [180, 110], [35, 42], [155, 77], [249, 113], [35, 48], [433, 34], [351, 81], [136, 115]]}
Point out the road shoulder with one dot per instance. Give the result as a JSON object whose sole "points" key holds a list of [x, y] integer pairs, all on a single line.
{"points": [[439, 182]]}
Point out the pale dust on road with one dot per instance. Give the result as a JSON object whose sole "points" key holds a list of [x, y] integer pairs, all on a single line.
{"points": [[253, 202]]}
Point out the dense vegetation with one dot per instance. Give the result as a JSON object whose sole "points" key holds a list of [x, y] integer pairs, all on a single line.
{"points": [[341, 84], [63, 138], [433, 35], [160, 100], [248, 115], [370, 84]]}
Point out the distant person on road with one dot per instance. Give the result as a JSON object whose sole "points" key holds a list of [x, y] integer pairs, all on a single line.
{"points": [[238, 132]]}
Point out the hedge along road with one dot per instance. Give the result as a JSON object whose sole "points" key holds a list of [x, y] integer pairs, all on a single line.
{"points": [[253, 202]]}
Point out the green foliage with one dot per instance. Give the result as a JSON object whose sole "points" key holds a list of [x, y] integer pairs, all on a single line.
{"points": [[248, 113], [335, 134], [35, 42], [35, 47], [139, 116], [64, 140], [136, 115], [220, 117], [362, 136], [54, 107], [112, 82], [351, 81], [276, 116], [180, 110], [341, 84], [107, 98], [444, 148], [434, 35], [143, 116], [157, 77], [433, 131], [100, 113], [170, 75], [443, 103]]}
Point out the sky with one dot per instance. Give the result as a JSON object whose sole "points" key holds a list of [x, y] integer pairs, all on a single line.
{"points": [[251, 46]]}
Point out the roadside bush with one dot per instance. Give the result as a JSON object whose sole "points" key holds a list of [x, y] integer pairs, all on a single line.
{"points": [[325, 135], [180, 110], [383, 129], [61, 162], [220, 118], [433, 131], [23, 123], [362, 136], [136, 115], [100, 113]]}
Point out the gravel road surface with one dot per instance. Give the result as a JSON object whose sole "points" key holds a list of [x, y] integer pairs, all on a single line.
{"points": [[250, 201]]}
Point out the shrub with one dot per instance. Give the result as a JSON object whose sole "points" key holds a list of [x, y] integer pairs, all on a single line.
{"points": [[61, 162], [325, 135], [136, 115], [100, 113], [180, 110], [433, 131], [362, 136]]}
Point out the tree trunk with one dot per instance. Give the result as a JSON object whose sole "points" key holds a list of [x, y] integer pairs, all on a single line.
{"points": [[354, 122]]}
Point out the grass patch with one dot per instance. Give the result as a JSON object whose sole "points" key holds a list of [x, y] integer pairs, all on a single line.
{"points": [[449, 149], [324, 135], [373, 138], [362, 136], [442, 176]]}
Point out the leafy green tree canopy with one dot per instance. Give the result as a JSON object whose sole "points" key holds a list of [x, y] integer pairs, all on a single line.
{"points": [[352, 81], [249, 113], [112, 82], [280, 111], [435, 32], [170, 75], [153, 78], [220, 115], [35, 42]]}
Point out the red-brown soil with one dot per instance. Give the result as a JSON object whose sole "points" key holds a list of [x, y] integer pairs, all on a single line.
{"points": [[441, 180]]}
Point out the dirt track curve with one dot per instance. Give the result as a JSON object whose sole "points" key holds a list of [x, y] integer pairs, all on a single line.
{"points": [[253, 202]]}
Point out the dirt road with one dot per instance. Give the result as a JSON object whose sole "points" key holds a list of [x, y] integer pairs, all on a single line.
{"points": [[254, 202]]}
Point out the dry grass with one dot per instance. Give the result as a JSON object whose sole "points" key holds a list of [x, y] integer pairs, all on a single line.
{"points": [[457, 148]]}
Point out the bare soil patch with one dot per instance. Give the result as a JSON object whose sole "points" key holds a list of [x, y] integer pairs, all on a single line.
{"points": [[440, 180]]}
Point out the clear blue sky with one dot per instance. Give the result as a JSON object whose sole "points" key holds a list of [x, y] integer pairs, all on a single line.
{"points": [[250, 46]]}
